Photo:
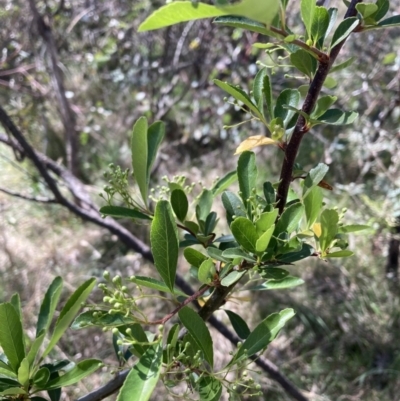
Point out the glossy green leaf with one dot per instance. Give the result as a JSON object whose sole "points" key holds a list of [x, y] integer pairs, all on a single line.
{"points": [[246, 24], [323, 104], [258, 88], [269, 193], [179, 203], [263, 334], [76, 374], [329, 228], [290, 218], [366, 9], [155, 135], [263, 241], [194, 257], [7, 372], [307, 8], [13, 391], [183, 11], [69, 312], [210, 223], [333, 12], [206, 271], [245, 233], [304, 62], [41, 377], [233, 253], [224, 183], [330, 82], [209, 388], [267, 90], [123, 212], [233, 206], [383, 8], [204, 205], [338, 117], [199, 331], [391, 21], [100, 318], [291, 257], [11, 335], [353, 228], [241, 96], [288, 97], [16, 302], [345, 28], [274, 273], [247, 175], [339, 254], [216, 254], [313, 204], [35, 346], [266, 220], [238, 324], [280, 284], [165, 243], [233, 277], [139, 151], [49, 305], [343, 65], [23, 373], [314, 177], [320, 23]]}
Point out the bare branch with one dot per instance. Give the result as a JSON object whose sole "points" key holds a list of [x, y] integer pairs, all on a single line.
{"points": [[28, 198]]}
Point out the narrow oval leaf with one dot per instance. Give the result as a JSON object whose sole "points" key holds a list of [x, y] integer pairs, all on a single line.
{"points": [[258, 86], [323, 104], [209, 388], [290, 218], [320, 23], [150, 282], [329, 228], [233, 253], [267, 90], [238, 324], [247, 174], [206, 271], [366, 10], [232, 278], [343, 65], [314, 177], [338, 117], [266, 220], [41, 377], [194, 257], [179, 203], [165, 243], [69, 312], [199, 331], [23, 373], [288, 97], [139, 149], [224, 183], [274, 273], [233, 206], [383, 8], [155, 135], [287, 282], [11, 335], [245, 233], [76, 374], [204, 205], [246, 24], [263, 241], [313, 205], [304, 62], [123, 212], [392, 21], [352, 228], [307, 8], [345, 28], [254, 141], [340, 254]]}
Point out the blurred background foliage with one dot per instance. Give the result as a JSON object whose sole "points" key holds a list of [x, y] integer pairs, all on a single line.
{"points": [[344, 342]]}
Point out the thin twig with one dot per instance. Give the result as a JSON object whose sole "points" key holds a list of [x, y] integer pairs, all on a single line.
{"points": [[28, 198]]}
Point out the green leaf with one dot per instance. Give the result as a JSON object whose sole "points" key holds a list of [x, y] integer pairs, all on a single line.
{"points": [[345, 28], [238, 324], [183, 11], [179, 203], [245, 233], [7, 372], [16, 302], [232, 278], [267, 90], [383, 8], [246, 24], [155, 135], [329, 228], [247, 175], [49, 305], [165, 243], [304, 62], [339, 254], [366, 9], [76, 374], [320, 24], [343, 65], [288, 97], [258, 88], [13, 391], [290, 218], [313, 204], [392, 21], [287, 282], [266, 220], [307, 8], [204, 205], [269, 193], [224, 183], [323, 104], [263, 334], [338, 117], [199, 331], [274, 273], [209, 388], [101, 318], [263, 242], [139, 151], [69, 311], [330, 82], [41, 377], [210, 223], [233, 253], [216, 254], [36, 344], [194, 257], [11, 335], [352, 228], [332, 19], [206, 271], [306, 251], [314, 177], [241, 96], [233, 206], [123, 212], [150, 282], [23, 373]]}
